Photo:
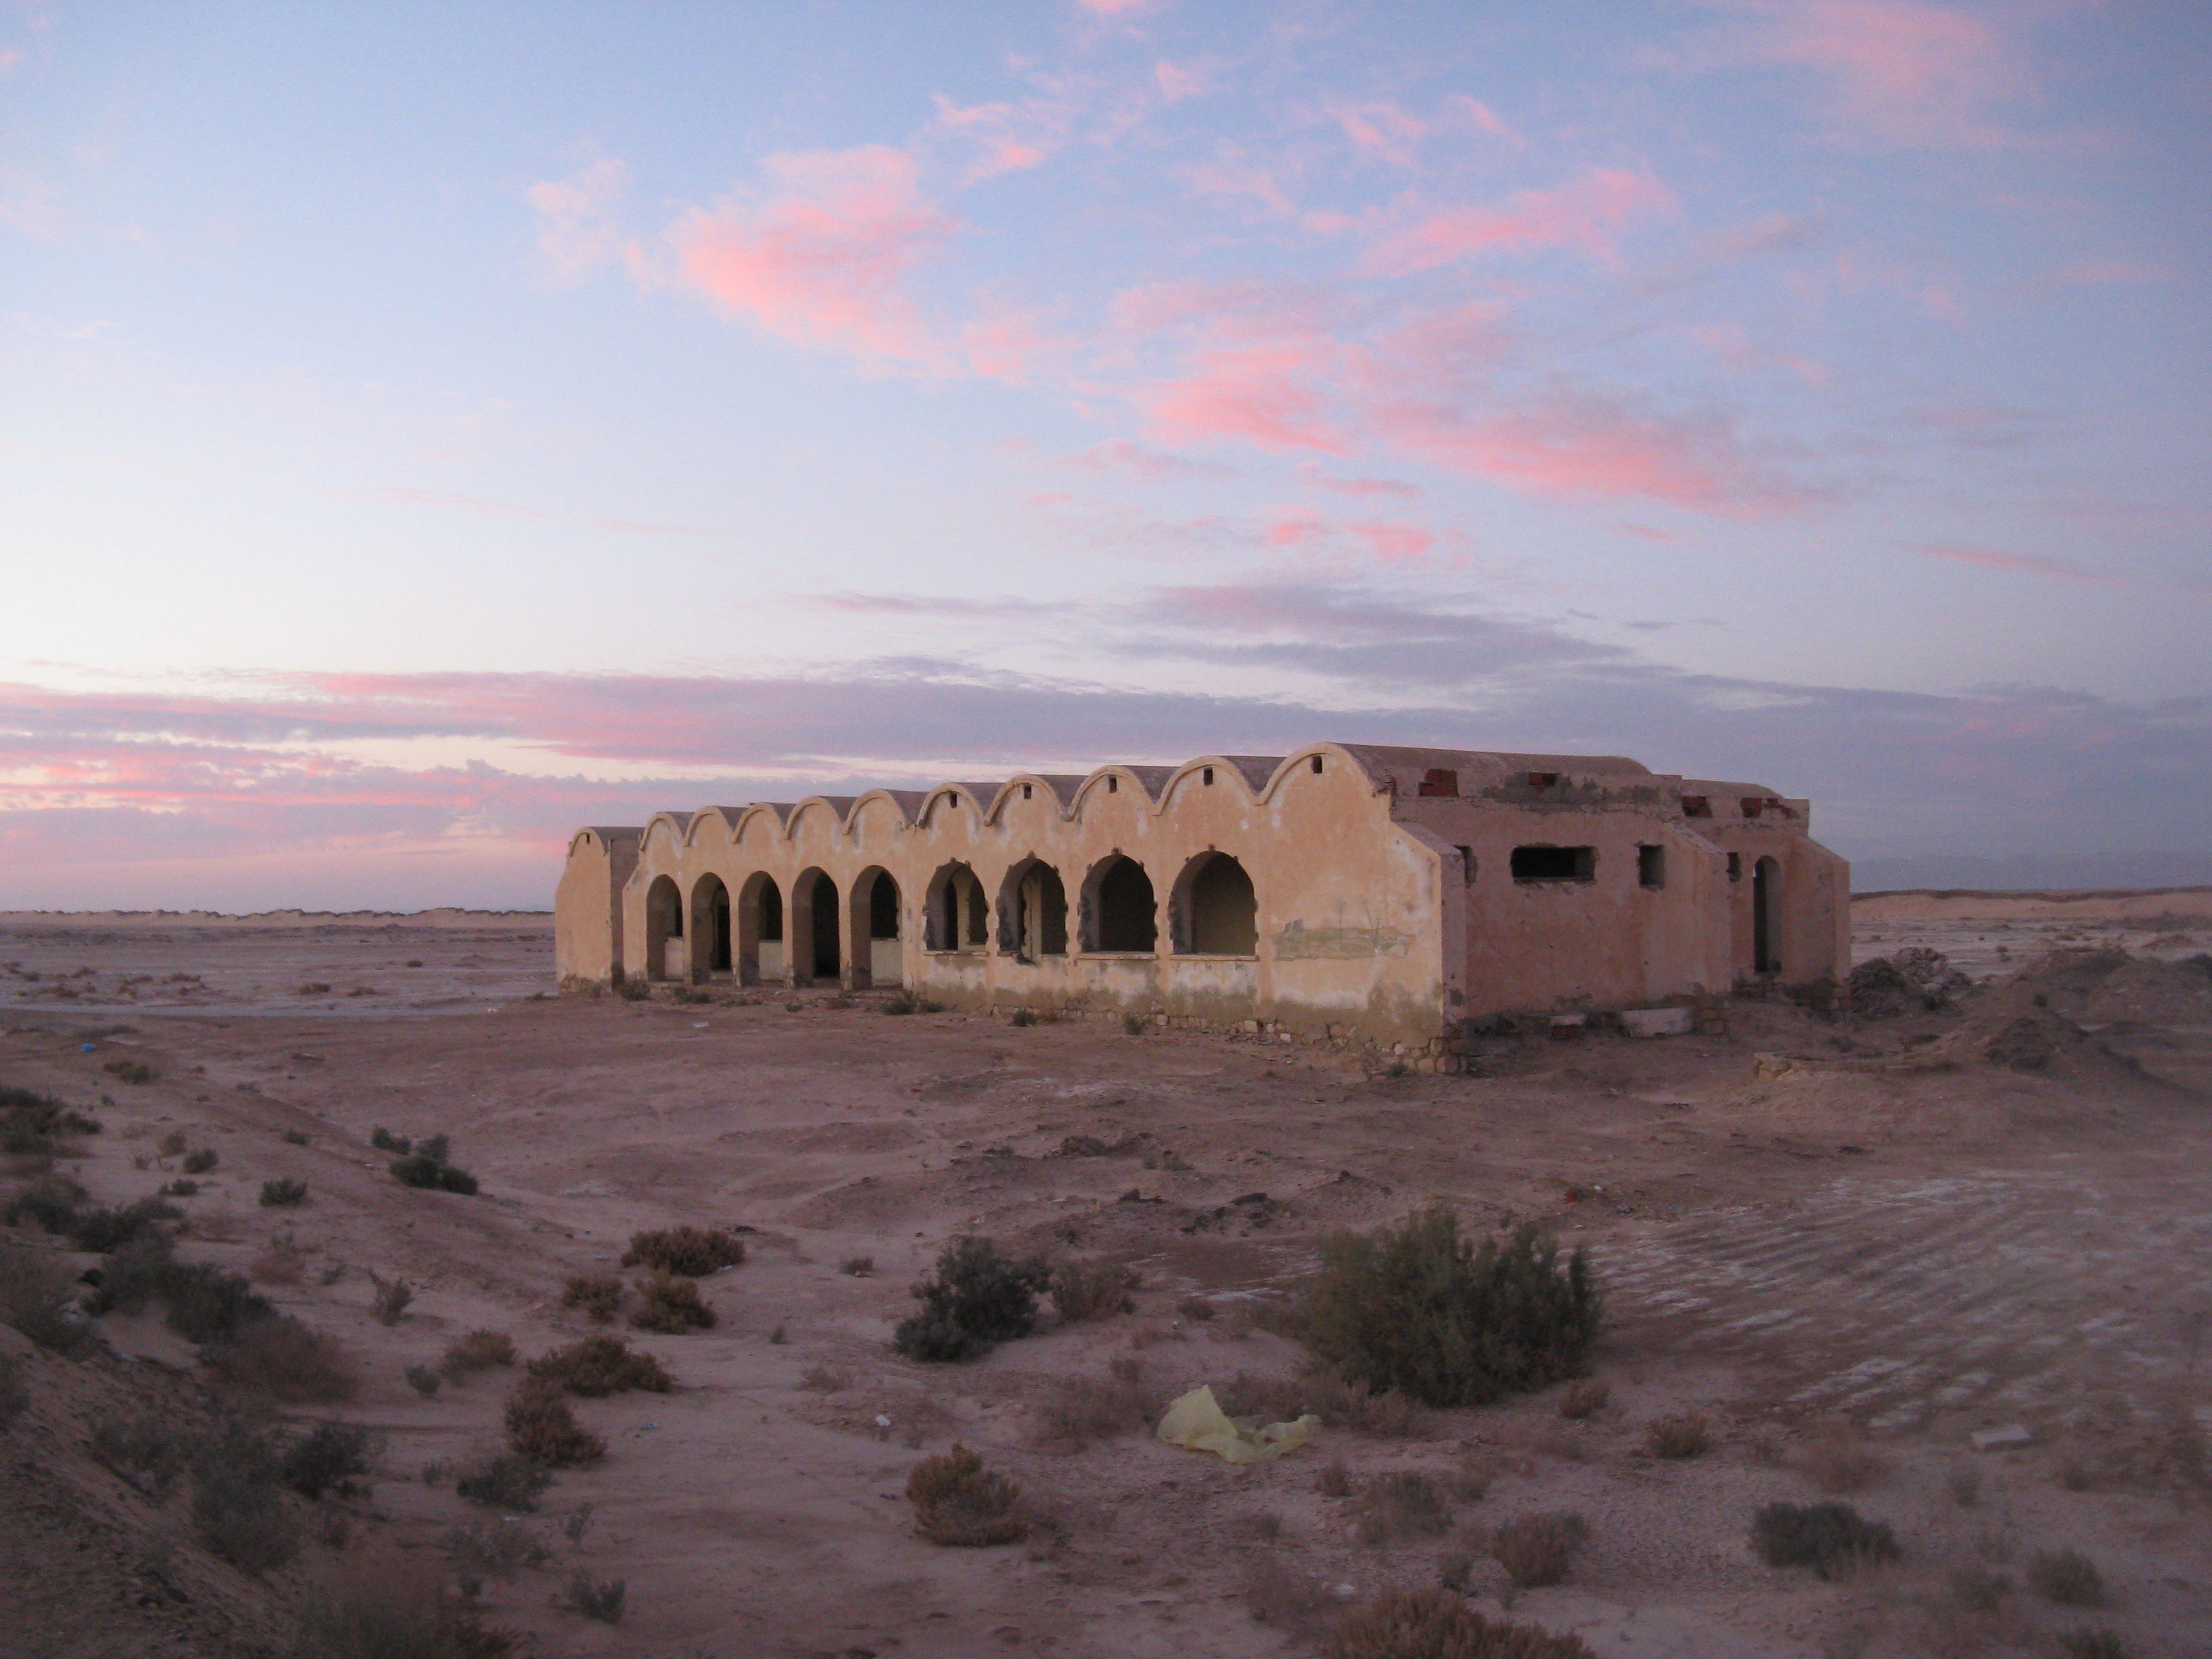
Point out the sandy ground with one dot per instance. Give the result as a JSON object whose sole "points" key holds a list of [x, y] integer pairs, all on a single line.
{"points": [[1797, 1221]]}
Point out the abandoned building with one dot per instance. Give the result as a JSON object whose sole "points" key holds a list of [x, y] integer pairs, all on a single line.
{"points": [[1373, 894]]}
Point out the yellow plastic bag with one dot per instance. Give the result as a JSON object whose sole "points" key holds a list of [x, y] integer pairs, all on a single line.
{"points": [[1197, 1423]]}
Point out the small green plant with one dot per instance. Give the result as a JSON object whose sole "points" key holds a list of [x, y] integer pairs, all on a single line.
{"points": [[1135, 1024], [1828, 1538], [200, 1162], [384, 1141], [693, 1252], [600, 1365], [1678, 1438], [181, 1187], [424, 1380], [599, 1599], [328, 1457], [978, 1298], [296, 1137], [419, 1170], [960, 1503], [634, 990], [2068, 1577], [1583, 1398], [284, 1193], [857, 1267], [512, 1483], [1536, 1550], [671, 1306], [1093, 1290], [1433, 1623], [1022, 1016], [1418, 1308], [479, 1351], [541, 1427], [600, 1296]]}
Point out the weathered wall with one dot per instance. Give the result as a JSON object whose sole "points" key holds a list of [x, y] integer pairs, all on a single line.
{"points": [[588, 909]]}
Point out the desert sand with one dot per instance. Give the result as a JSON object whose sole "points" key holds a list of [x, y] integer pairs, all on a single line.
{"points": [[1885, 1233]]}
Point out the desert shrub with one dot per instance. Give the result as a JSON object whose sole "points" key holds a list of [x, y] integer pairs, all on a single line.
{"points": [[599, 1599], [1093, 1290], [33, 1125], [238, 1505], [1339, 1404], [823, 1379], [1825, 1537], [172, 1144], [281, 1263], [1197, 1309], [1022, 1016], [479, 1351], [207, 1303], [541, 1427], [14, 1396], [857, 1267], [1683, 1436], [495, 1551], [314, 988], [1584, 1397], [181, 1187], [2086, 1643], [1333, 1480], [285, 1359], [1435, 1623], [510, 1483], [200, 1162], [599, 1295], [282, 1192], [424, 1165], [978, 1298], [35, 1298], [2068, 1577], [130, 1071], [1837, 1459], [960, 1503], [900, 1002], [1402, 1504], [148, 1451], [1134, 1025], [1297, 1603], [1075, 1412], [423, 1380], [296, 1137], [384, 1141], [600, 1365], [389, 1304], [105, 1231], [52, 1203], [692, 1252], [1418, 1308], [327, 1458], [671, 1306], [392, 1612], [1538, 1549]]}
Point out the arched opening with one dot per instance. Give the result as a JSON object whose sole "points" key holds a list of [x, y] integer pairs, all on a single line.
{"points": [[664, 929], [872, 927], [1216, 912], [1119, 910], [957, 913], [710, 928], [760, 954], [1766, 917], [815, 949], [1033, 912]]}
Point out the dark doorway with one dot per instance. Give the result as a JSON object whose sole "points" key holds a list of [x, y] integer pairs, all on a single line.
{"points": [[710, 911], [1766, 917], [664, 925], [1126, 914], [1035, 909], [1220, 913], [823, 902], [883, 909]]}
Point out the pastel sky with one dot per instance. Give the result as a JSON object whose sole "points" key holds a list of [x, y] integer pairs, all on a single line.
{"points": [[427, 428]]}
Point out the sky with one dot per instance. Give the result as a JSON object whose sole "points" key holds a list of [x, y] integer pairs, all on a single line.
{"points": [[426, 428]]}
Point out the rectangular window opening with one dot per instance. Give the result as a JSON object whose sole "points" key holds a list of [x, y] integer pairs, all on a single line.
{"points": [[1466, 862], [1113, 786], [1696, 806], [1736, 866], [1207, 774], [1651, 865], [1026, 790], [1316, 763], [1439, 781], [1555, 864]]}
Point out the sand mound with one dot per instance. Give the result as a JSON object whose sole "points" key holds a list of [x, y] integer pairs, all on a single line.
{"points": [[1914, 981]]}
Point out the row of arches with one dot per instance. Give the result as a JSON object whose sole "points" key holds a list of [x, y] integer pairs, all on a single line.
{"points": [[857, 937]]}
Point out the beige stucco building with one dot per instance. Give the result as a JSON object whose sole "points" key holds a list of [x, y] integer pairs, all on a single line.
{"points": [[1376, 895]]}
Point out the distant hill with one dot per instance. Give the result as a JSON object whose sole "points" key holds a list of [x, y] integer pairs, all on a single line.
{"points": [[2032, 872]]}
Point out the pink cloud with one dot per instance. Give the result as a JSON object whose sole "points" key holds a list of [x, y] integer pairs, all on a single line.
{"points": [[2028, 563], [1394, 544], [1313, 474], [1296, 530], [1009, 137], [575, 226], [1120, 453], [820, 257], [1381, 130], [1585, 213], [1263, 394], [1180, 80], [1116, 8]]}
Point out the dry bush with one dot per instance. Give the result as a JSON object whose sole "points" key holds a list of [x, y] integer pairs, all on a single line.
{"points": [[509, 1483], [821, 1379], [599, 1295], [1340, 1404], [200, 1162], [1829, 1538], [34, 1296], [2068, 1577], [1093, 1290], [671, 1306], [328, 1458], [282, 1263], [859, 1266], [286, 1360], [1678, 1438], [238, 1505], [1581, 1398], [1418, 1309], [390, 1303], [541, 1427], [977, 1299], [148, 1451], [601, 1365], [478, 1351], [688, 1252], [172, 1144], [960, 1503], [495, 1551], [599, 1599], [1536, 1550], [1435, 1623], [391, 1611], [35, 1126], [423, 1380], [1837, 1459], [1074, 1412], [1297, 1603], [284, 1193], [1399, 1505], [1471, 1480]]}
